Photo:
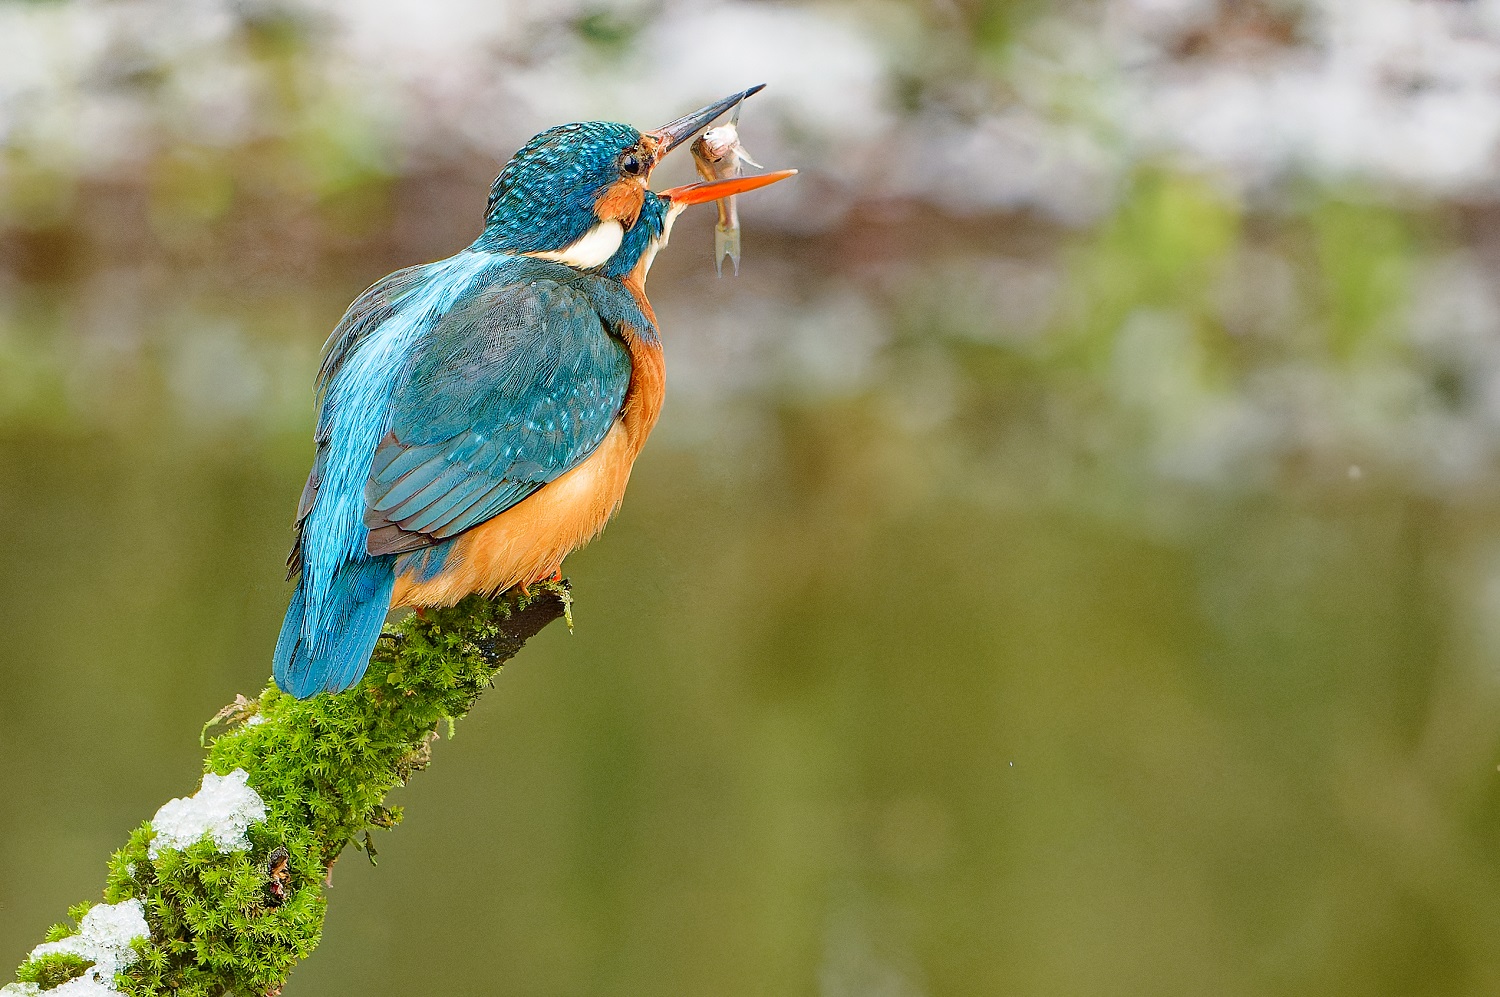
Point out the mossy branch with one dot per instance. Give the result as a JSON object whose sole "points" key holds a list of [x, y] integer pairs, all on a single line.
{"points": [[235, 921]]}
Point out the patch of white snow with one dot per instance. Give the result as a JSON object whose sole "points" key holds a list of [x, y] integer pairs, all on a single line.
{"points": [[224, 808], [104, 938]]}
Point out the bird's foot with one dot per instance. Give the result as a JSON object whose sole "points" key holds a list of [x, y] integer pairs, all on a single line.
{"points": [[525, 587]]}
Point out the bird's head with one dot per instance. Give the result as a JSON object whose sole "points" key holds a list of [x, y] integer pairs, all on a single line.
{"points": [[579, 194]]}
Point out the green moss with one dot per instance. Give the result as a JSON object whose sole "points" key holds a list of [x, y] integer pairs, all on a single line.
{"points": [[237, 923], [52, 970]]}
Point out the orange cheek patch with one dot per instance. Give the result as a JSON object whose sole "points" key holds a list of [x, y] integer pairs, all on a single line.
{"points": [[621, 202]]}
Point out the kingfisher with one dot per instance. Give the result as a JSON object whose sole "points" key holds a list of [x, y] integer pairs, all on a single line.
{"points": [[478, 417]]}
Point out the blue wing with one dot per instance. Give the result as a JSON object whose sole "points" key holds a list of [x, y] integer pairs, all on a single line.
{"points": [[507, 392]]}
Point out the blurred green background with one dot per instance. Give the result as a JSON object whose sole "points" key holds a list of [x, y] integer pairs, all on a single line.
{"points": [[1069, 561]]}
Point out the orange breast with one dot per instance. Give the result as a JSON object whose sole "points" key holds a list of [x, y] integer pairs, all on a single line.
{"points": [[529, 540]]}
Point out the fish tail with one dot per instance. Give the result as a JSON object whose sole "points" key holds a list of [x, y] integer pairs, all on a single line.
{"points": [[325, 647], [726, 243]]}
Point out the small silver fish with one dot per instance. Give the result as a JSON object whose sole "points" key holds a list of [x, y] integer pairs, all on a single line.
{"points": [[717, 155]]}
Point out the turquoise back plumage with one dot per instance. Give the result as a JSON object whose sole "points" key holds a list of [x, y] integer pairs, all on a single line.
{"points": [[341, 598]]}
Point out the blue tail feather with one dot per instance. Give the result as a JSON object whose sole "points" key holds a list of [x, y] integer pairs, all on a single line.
{"points": [[330, 653]]}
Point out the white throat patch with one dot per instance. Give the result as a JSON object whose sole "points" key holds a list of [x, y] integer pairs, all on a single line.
{"points": [[666, 233], [593, 250]]}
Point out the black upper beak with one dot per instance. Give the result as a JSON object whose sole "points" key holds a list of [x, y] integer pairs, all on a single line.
{"points": [[675, 133]]}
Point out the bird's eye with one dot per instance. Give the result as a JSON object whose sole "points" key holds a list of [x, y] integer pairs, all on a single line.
{"points": [[631, 164]]}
